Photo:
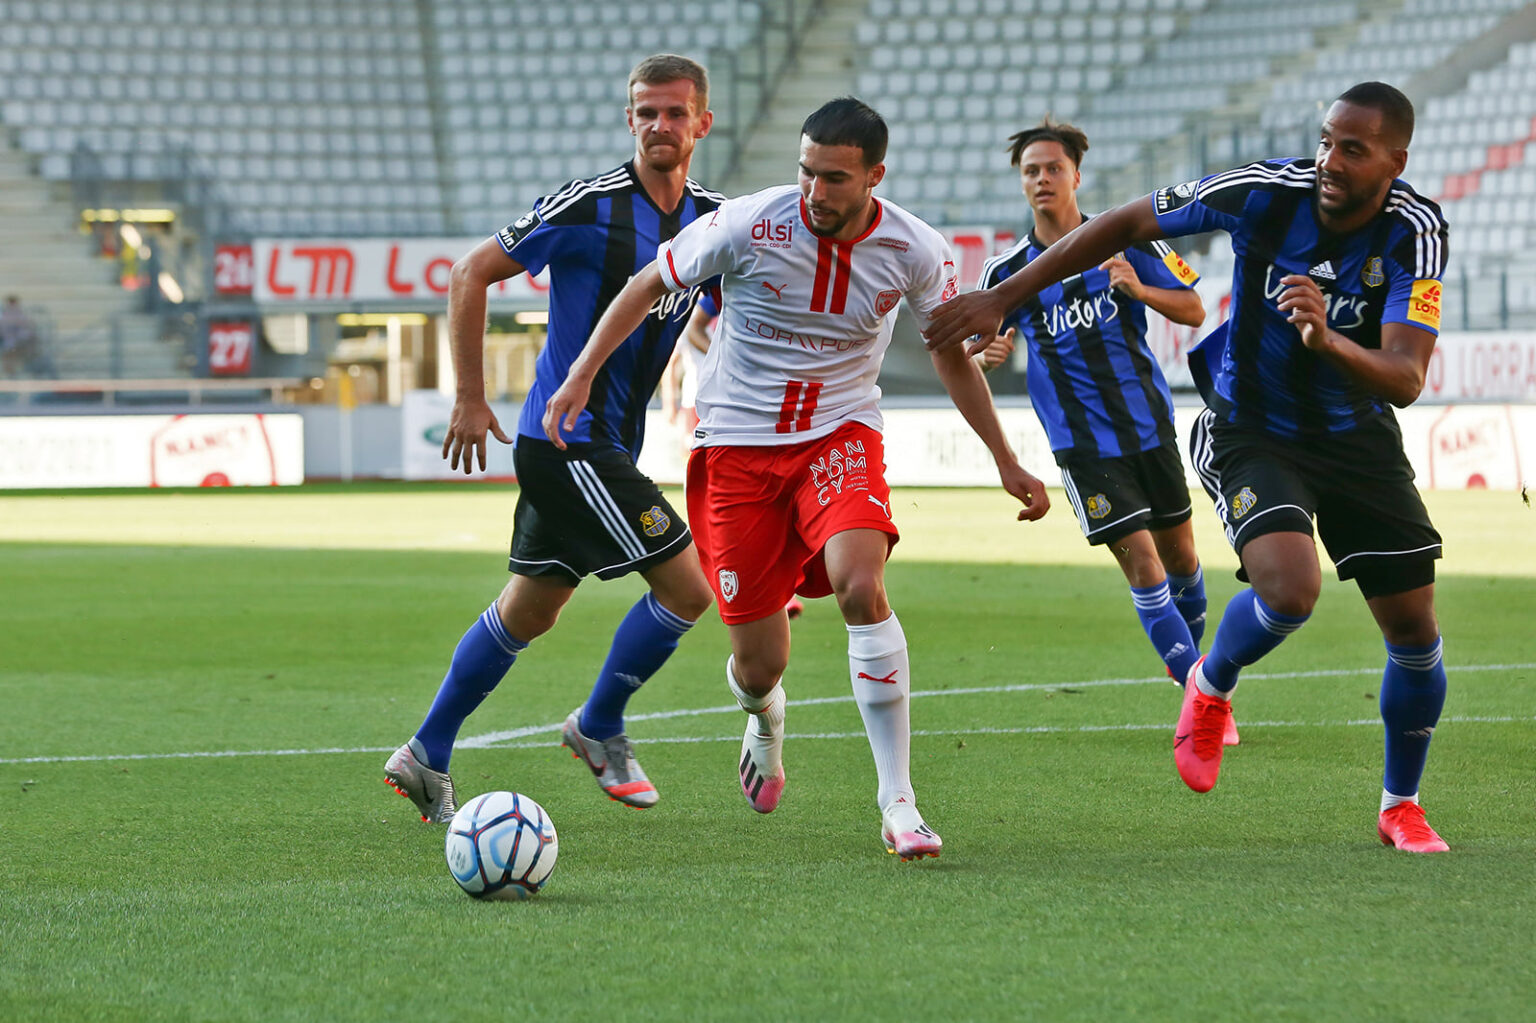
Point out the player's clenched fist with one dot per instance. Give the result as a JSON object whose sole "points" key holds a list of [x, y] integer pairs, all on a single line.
{"points": [[1303, 300]]}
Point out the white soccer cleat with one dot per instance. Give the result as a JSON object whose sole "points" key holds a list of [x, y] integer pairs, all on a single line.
{"points": [[762, 757], [432, 791], [906, 834]]}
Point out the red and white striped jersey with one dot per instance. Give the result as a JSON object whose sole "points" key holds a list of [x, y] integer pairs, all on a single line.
{"points": [[807, 319]]}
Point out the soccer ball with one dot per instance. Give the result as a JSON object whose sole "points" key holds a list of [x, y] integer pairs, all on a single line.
{"points": [[501, 845]]}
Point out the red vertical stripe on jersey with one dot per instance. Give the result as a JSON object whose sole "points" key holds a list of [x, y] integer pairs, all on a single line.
{"points": [[786, 421], [841, 272], [808, 404], [824, 256], [798, 407]]}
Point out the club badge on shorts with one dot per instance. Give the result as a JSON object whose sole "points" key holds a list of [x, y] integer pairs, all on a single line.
{"points": [[655, 522], [1097, 506], [728, 585]]}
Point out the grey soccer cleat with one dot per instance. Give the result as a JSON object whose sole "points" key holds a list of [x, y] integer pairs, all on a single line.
{"points": [[432, 791], [612, 761]]}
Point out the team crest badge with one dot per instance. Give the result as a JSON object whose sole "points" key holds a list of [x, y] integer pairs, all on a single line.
{"points": [[1371, 275], [886, 301], [1097, 506], [728, 585], [655, 522], [1243, 503]]}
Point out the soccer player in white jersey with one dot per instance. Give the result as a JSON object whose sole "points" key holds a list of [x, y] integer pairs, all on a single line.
{"points": [[786, 488]]}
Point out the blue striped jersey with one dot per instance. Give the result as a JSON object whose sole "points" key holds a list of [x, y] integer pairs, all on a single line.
{"points": [[594, 235], [1254, 369], [1093, 382]]}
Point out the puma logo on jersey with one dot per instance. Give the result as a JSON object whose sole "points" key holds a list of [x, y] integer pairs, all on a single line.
{"points": [[777, 292], [880, 504]]}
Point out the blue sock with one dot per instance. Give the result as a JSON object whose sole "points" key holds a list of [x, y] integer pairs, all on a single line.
{"points": [[1189, 598], [644, 640], [1412, 693], [1166, 628], [479, 662], [1249, 629]]}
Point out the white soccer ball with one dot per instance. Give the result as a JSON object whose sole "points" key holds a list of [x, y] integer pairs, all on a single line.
{"points": [[501, 845]]}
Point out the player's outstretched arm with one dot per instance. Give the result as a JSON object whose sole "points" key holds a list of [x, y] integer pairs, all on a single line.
{"points": [[626, 312], [982, 312], [472, 417], [1395, 371], [968, 390]]}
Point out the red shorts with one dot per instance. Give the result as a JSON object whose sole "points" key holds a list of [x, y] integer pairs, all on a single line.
{"points": [[761, 515]]}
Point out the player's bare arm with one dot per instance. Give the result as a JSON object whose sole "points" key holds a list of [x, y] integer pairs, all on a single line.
{"points": [[472, 418], [982, 312], [697, 331], [626, 312], [997, 351], [968, 390], [1181, 305], [1395, 371]]}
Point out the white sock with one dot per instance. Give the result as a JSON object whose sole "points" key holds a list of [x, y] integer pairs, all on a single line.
{"points": [[1208, 689], [877, 666], [1388, 800], [767, 712]]}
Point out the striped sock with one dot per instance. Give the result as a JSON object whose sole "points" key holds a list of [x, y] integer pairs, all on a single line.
{"points": [[1249, 629], [1412, 695], [1189, 597], [1166, 628], [641, 645], [479, 662]]}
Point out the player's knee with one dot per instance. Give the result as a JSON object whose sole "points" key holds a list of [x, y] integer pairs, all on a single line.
{"points": [[1294, 597], [524, 621], [862, 600], [759, 673]]}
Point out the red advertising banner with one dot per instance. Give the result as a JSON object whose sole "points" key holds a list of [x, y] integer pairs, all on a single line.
{"points": [[230, 345], [234, 269], [370, 270]]}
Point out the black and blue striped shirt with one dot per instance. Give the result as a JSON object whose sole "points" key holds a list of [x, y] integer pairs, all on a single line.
{"points": [[594, 235], [1254, 369], [1093, 381]]}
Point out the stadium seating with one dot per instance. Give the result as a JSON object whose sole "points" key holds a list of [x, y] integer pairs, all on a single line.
{"points": [[390, 116]]}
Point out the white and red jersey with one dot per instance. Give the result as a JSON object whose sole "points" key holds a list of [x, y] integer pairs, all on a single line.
{"points": [[807, 319]]}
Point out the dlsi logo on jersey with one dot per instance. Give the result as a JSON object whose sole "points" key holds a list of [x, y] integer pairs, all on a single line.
{"points": [[655, 522]]}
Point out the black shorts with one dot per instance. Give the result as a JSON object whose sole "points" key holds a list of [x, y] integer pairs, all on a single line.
{"points": [[1357, 484], [588, 511], [1115, 497]]}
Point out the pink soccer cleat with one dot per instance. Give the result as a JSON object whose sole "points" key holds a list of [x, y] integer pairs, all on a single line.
{"points": [[1404, 827]]}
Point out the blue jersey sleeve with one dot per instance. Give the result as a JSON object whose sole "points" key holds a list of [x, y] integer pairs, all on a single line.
{"points": [[1414, 266], [1213, 203], [531, 240]]}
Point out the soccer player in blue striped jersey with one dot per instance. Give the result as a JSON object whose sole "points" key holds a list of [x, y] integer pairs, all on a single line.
{"points": [[1335, 312], [1102, 398], [586, 509]]}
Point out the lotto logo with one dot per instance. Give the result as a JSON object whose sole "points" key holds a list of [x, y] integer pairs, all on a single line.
{"points": [[1424, 304], [1179, 268]]}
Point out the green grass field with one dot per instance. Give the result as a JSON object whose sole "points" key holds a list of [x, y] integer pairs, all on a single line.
{"points": [[198, 691]]}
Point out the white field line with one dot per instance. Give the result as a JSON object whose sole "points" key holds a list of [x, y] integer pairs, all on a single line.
{"points": [[507, 739]]}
